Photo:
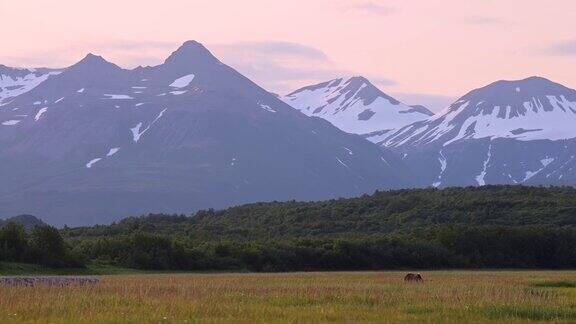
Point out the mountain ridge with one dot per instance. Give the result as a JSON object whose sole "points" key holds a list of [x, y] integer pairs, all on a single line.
{"points": [[17, 81], [355, 106]]}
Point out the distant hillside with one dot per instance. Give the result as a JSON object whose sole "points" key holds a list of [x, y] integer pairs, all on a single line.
{"points": [[28, 221], [380, 213]]}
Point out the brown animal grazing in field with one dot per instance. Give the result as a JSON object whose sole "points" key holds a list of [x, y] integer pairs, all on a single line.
{"points": [[413, 277]]}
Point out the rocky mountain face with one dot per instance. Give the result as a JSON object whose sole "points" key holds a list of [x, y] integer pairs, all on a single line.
{"points": [[96, 143], [509, 132], [356, 106]]}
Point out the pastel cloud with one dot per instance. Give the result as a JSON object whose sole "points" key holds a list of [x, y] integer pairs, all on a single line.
{"points": [[278, 48], [373, 8], [279, 66], [433, 102], [485, 21], [566, 48]]}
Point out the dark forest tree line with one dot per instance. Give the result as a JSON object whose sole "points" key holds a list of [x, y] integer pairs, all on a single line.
{"points": [[42, 245], [492, 226], [442, 247]]}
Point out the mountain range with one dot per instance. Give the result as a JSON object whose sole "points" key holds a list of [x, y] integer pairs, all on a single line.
{"points": [[93, 143], [508, 132]]}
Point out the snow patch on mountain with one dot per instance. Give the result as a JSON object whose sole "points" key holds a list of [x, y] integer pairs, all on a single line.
{"points": [[136, 133], [41, 112], [443, 166], [113, 151], [342, 163], [110, 153], [480, 178], [11, 122], [267, 108], [14, 82], [545, 162], [183, 81], [532, 123], [118, 97], [92, 162]]}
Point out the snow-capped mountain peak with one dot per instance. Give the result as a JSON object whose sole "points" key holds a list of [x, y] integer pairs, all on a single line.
{"points": [[352, 88], [528, 109], [507, 132], [516, 91], [356, 106]]}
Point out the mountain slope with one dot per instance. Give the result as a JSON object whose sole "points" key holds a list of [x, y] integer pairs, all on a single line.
{"points": [[507, 132], [104, 143], [355, 106], [14, 82]]}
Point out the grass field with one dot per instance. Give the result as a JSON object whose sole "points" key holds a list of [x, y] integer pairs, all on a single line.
{"points": [[445, 296]]}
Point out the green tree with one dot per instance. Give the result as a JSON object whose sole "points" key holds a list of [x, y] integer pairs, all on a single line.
{"points": [[13, 243], [48, 247]]}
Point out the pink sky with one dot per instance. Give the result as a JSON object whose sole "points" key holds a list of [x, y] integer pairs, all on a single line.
{"points": [[422, 51]]}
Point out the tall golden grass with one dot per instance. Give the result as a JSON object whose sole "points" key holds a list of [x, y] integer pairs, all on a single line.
{"points": [[445, 296]]}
